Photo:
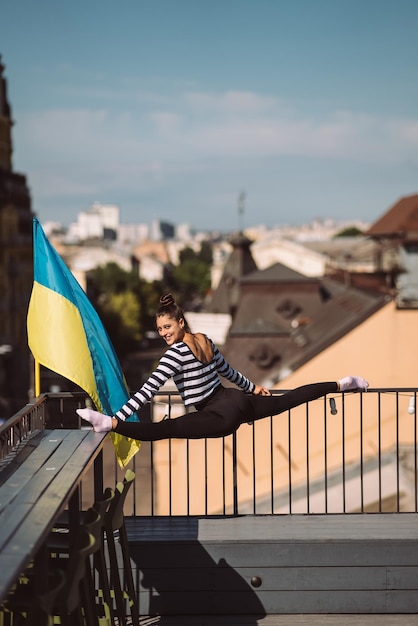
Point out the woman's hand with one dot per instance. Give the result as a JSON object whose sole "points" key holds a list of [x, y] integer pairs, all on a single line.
{"points": [[261, 391]]}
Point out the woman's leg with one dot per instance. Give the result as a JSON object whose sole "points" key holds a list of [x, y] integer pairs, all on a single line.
{"points": [[223, 414], [264, 406], [197, 425], [219, 418]]}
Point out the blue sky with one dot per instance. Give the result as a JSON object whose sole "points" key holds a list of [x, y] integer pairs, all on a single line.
{"points": [[171, 108]]}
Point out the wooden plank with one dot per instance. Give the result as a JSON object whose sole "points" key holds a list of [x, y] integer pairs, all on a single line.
{"points": [[317, 554], [372, 526], [86, 452], [37, 492], [46, 509], [402, 578], [51, 487], [26, 450], [51, 456], [271, 602], [9, 520], [219, 577], [72, 451], [23, 493], [26, 486], [24, 473], [59, 464], [282, 578], [390, 553]]}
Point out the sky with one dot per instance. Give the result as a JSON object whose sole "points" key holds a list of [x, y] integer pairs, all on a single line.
{"points": [[171, 109]]}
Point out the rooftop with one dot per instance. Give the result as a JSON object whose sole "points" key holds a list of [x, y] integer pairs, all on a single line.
{"points": [[401, 220]]}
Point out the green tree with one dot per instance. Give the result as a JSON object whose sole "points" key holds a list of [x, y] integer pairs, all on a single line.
{"points": [[350, 231], [191, 278], [111, 278], [125, 303], [120, 316]]}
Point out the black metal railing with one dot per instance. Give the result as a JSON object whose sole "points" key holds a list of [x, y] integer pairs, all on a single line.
{"points": [[16, 431], [345, 453]]}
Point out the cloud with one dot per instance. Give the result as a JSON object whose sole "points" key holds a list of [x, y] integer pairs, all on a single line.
{"points": [[201, 125], [171, 140], [234, 102]]}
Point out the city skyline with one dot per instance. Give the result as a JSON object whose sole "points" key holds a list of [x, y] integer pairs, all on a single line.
{"points": [[173, 109]]}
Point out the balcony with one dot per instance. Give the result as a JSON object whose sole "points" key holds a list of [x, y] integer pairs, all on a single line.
{"points": [[310, 512]]}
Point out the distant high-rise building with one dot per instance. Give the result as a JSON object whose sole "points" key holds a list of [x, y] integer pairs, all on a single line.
{"points": [[133, 233], [183, 232], [109, 216], [100, 221], [162, 230], [16, 269]]}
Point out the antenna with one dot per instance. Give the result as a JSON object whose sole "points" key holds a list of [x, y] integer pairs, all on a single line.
{"points": [[241, 202]]}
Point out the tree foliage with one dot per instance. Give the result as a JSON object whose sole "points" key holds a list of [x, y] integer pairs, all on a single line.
{"points": [[126, 303], [191, 278], [350, 231]]}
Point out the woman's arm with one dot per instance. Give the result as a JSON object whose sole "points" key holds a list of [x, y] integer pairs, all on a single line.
{"points": [[225, 370], [167, 367]]}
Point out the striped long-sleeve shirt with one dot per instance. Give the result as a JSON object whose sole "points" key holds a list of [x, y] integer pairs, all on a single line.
{"points": [[194, 379]]}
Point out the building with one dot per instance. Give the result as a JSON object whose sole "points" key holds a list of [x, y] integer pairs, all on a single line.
{"points": [[100, 221], [161, 230], [396, 237], [289, 330], [226, 297], [16, 268]]}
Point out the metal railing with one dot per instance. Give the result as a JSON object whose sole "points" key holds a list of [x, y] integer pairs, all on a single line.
{"points": [[15, 432], [345, 453]]}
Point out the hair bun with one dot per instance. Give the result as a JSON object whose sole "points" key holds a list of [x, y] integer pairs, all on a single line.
{"points": [[167, 300]]}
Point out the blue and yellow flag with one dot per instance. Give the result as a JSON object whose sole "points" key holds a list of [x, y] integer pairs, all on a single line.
{"points": [[66, 335]]}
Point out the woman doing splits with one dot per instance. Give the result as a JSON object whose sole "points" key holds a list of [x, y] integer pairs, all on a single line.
{"points": [[195, 364]]}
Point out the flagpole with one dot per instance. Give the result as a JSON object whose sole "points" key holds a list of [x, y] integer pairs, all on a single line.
{"points": [[37, 378]]}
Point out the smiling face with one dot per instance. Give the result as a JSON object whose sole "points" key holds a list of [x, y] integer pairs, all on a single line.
{"points": [[170, 329]]}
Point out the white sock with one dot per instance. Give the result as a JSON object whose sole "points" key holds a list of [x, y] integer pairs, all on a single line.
{"points": [[352, 382], [101, 423]]}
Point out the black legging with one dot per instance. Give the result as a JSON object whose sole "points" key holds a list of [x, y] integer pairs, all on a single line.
{"points": [[223, 413]]}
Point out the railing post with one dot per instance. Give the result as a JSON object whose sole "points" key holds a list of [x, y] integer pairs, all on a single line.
{"points": [[234, 473]]}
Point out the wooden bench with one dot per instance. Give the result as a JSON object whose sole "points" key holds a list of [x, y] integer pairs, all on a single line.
{"points": [[35, 488]]}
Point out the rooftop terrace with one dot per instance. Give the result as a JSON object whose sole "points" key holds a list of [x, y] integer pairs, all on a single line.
{"points": [[309, 517]]}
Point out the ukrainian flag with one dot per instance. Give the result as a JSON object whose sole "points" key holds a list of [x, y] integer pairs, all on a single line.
{"points": [[66, 335]]}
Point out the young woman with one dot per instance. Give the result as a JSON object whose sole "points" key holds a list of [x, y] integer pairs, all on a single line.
{"points": [[195, 364]]}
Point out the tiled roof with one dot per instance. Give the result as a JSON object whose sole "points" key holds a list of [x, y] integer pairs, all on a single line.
{"points": [[276, 273], [400, 220], [358, 249], [278, 329]]}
